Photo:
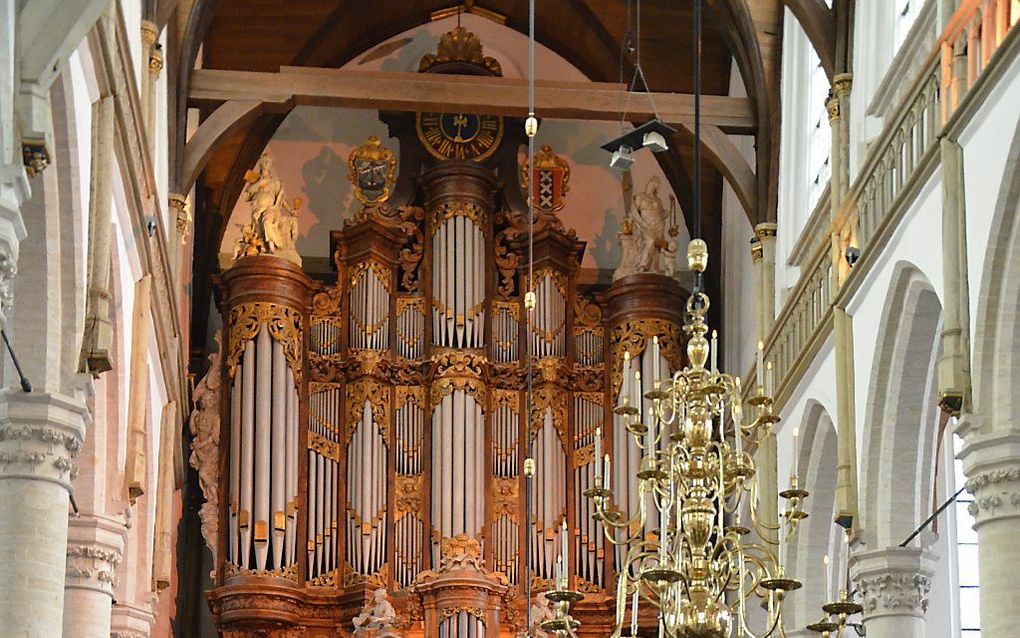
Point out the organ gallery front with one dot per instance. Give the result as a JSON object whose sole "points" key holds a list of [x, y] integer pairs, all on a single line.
{"points": [[373, 429]]}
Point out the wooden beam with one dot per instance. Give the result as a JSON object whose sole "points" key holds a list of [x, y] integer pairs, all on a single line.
{"points": [[228, 118], [477, 94], [730, 162]]}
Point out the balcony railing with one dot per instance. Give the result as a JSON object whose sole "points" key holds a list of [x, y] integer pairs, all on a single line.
{"points": [[901, 160]]}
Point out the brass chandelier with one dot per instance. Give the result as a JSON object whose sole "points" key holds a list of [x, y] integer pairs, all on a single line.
{"points": [[698, 567]]}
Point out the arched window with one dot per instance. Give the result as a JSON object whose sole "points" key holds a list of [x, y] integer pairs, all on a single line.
{"points": [[966, 552], [819, 166]]}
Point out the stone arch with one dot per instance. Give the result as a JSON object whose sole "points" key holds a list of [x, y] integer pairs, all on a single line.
{"points": [[818, 534], [900, 425], [996, 330], [48, 314]]}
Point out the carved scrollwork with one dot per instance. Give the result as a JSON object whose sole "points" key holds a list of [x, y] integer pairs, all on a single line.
{"points": [[323, 446], [459, 208], [285, 325], [371, 391], [455, 363], [586, 312], [552, 398], [381, 270], [408, 492], [633, 337], [442, 387], [327, 302], [325, 581], [505, 258], [289, 572], [505, 498], [325, 369]]}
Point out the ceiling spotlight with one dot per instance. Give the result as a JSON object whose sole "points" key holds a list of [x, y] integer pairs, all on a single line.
{"points": [[622, 158], [655, 142], [652, 135]]}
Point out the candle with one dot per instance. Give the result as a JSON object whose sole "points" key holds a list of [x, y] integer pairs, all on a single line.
{"points": [[846, 561], [655, 359], [768, 378], [796, 452], [636, 389], [564, 549], [633, 612], [559, 573], [598, 457], [782, 542], [828, 578], [625, 388], [650, 440], [759, 368], [714, 351], [608, 484]]}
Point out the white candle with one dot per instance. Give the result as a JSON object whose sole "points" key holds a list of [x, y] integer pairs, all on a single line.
{"points": [[796, 451], [714, 351], [650, 436], [828, 578], [782, 542], [564, 548], [768, 378], [636, 388], [633, 612], [559, 573], [845, 576], [625, 387], [655, 359], [737, 425], [598, 457], [608, 484], [759, 368]]}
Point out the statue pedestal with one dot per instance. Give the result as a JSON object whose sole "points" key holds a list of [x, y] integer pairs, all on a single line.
{"points": [[382, 632]]}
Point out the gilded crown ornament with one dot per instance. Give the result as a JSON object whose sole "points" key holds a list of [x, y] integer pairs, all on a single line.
{"points": [[459, 45]]}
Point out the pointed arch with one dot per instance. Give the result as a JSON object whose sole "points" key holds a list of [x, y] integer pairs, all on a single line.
{"points": [[901, 414]]}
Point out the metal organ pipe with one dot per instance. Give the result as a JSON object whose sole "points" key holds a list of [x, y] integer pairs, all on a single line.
{"points": [[247, 450], [235, 461], [278, 437]]}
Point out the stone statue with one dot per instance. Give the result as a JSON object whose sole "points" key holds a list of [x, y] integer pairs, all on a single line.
{"points": [[541, 611], [377, 614], [204, 424], [646, 234], [273, 226]]}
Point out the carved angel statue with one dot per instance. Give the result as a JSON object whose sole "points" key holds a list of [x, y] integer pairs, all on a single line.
{"points": [[541, 611], [377, 614], [204, 424], [646, 238], [273, 226]]}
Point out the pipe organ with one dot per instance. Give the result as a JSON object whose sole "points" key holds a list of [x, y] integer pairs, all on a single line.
{"points": [[376, 423]]}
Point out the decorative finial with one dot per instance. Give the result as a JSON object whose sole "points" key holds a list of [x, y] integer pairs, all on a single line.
{"points": [[697, 255]]}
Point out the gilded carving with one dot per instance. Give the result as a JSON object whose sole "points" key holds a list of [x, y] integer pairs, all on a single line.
{"points": [[327, 302], [407, 220], [204, 425], [634, 336], [459, 45], [289, 572], [327, 580], [408, 493], [285, 325], [586, 312], [371, 391], [458, 363], [323, 446], [505, 498], [459, 208], [442, 387], [552, 398], [506, 260], [381, 270]]}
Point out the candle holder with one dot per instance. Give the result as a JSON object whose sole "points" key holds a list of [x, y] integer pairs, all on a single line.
{"points": [[562, 624]]}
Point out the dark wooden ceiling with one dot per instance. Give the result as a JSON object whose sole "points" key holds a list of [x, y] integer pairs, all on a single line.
{"points": [[263, 35]]}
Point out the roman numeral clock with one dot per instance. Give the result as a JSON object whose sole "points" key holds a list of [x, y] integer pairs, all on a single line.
{"points": [[464, 136]]}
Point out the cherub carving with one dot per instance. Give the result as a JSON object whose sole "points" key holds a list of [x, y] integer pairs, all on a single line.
{"points": [[541, 611]]}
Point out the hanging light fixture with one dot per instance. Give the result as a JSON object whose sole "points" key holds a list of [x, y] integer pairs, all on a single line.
{"points": [[686, 553]]}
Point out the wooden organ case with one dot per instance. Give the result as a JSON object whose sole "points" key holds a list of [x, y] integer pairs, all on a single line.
{"points": [[374, 429]]}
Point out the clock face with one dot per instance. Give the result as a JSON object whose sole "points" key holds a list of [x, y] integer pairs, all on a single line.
{"points": [[460, 135]]}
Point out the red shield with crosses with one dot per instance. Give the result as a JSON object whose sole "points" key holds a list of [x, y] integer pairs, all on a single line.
{"points": [[549, 180]]}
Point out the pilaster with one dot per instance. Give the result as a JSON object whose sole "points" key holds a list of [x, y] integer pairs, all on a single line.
{"points": [[14, 190]]}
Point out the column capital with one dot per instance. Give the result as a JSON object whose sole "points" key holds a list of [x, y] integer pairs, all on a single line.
{"points": [[765, 230], [991, 462], [842, 83], [894, 581], [40, 435], [95, 546]]}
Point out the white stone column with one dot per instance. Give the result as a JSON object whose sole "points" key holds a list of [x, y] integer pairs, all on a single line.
{"points": [[40, 434], [130, 621], [95, 546], [893, 586], [992, 465]]}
